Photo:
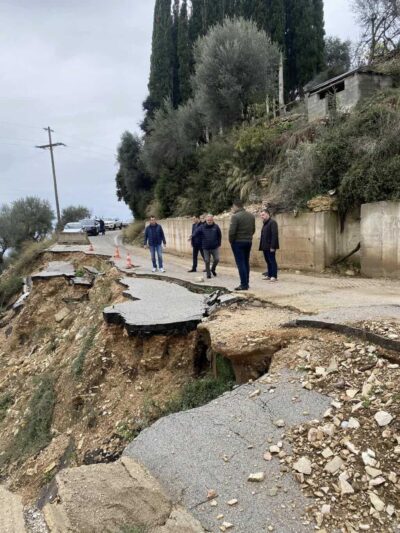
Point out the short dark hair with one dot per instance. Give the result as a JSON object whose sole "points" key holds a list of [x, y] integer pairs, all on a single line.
{"points": [[152, 216], [265, 210], [238, 202]]}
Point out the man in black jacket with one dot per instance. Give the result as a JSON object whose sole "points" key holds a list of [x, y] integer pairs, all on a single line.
{"points": [[269, 244], [241, 231], [196, 242], [211, 238]]}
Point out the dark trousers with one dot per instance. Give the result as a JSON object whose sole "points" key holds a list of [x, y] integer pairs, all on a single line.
{"points": [[196, 250], [270, 258], [241, 251]]}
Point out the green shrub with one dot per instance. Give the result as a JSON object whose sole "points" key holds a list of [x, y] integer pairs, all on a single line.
{"points": [[134, 232], [6, 401], [35, 433], [79, 362]]}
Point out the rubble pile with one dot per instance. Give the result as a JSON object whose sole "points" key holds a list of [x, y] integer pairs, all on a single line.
{"points": [[349, 461], [385, 328]]}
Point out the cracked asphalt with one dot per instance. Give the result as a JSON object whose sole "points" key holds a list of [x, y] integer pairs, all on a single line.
{"points": [[217, 446]]}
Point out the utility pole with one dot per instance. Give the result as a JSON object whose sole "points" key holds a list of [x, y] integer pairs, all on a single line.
{"points": [[51, 145]]}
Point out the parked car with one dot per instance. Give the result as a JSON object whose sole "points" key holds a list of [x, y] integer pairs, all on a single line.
{"points": [[90, 225], [113, 223], [73, 227]]}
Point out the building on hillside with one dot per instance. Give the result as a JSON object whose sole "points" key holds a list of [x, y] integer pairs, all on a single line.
{"points": [[341, 94]]}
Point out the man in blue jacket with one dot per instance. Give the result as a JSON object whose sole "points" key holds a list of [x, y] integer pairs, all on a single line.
{"points": [[211, 237], [154, 237], [196, 241]]}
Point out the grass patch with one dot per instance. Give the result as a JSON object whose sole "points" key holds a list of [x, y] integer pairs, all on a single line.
{"points": [[36, 431], [6, 401], [133, 529], [79, 362], [134, 232]]}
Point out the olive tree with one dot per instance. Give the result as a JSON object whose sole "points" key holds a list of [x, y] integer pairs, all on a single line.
{"points": [[74, 213], [236, 65]]}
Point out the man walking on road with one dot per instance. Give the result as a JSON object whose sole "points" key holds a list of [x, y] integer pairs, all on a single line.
{"points": [[196, 242], [269, 243], [241, 231], [154, 237], [211, 237]]}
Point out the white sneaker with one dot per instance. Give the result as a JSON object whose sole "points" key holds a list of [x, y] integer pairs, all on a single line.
{"points": [[162, 269], [273, 280], [154, 270]]}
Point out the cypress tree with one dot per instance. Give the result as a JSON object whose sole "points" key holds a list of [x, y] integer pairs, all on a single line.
{"points": [[176, 93], [304, 31], [197, 22], [319, 34], [276, 21], [161, 66], [184, 53]]}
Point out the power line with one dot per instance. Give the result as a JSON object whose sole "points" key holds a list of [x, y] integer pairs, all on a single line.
{"points": [[52, 145]]}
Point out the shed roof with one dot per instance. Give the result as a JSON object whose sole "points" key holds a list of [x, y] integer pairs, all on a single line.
{"points": [[333, 81]]}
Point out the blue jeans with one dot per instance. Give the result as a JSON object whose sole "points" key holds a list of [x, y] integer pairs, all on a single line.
{"points": [[241, 251], [156, 250], [270, 258]]}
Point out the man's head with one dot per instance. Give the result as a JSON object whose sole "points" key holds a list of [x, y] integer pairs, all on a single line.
{"points": [[153, 220], [265, 215], [210, 220], [196, 219], [203, 218], [237, 205]]}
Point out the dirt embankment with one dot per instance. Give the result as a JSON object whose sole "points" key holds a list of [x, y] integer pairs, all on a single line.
{"points": [[72, 389]]}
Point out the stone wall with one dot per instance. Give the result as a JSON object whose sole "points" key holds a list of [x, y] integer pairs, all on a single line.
{"points": [[380, 239]]}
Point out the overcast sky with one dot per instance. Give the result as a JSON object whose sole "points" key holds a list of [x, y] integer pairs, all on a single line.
{"points": [[82, 68]]}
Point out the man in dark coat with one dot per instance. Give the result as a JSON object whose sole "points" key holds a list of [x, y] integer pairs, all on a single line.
{"points": [[241, 231], [196, 242], [154, 238], [211, 238], [269, 244], [102, 228]]}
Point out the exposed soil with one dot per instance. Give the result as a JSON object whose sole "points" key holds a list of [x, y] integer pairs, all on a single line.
{"points": [[105, 382]]}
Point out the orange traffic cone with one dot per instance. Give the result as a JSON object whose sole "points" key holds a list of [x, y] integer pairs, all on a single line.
{"points": [[128, 261], [91, 249], [117, 255]]}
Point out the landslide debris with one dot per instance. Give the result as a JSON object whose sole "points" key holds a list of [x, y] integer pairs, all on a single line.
{"points": [[349, 460], [74, 390]]}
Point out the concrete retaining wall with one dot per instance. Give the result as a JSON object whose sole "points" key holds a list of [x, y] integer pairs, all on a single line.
{"points": [[312, 241], [308, 241], [380, 239]]}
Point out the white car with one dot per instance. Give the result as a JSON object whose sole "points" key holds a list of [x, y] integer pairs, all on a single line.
{"points": [[73, 227], [113, 223]]}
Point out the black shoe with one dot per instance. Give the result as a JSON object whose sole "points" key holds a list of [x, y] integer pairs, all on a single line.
{"points": [[193, 270], [208, 276], [214, 273], [240, 288]]}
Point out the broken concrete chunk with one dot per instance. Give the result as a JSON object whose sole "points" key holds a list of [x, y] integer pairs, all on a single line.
{"points": [[345, 487], [327, 453], [232, 502]]}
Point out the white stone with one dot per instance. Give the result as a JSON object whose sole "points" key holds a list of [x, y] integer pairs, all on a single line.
{"points": [[353, 423], [280, 423], [377, 481], [232, 502], [383, 418], [334, 465], [256, 477], [303, 466], [326, 509], [345, 487], [373, 472], [377, 503], [327, 453]]}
